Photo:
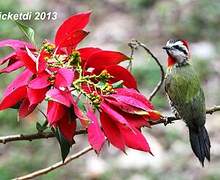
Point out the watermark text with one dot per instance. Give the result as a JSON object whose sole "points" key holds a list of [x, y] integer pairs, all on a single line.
{"points": [[22, 16]]}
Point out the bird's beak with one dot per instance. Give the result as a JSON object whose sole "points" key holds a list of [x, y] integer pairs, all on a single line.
{"points": [[166, 48]]}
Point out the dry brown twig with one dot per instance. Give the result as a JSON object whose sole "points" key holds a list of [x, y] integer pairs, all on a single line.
{"points": [[29, 137], [170, 119], [55, 166], [46, 135], [134, 44], [89, 148]]}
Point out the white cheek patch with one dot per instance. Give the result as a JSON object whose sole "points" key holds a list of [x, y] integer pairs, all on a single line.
{"points": [[180, 57], [177, 53], [171, 43], [180, 44], [177, 43]]}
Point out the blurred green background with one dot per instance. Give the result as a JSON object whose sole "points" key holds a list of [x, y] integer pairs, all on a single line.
{"points": [[113, 24]]}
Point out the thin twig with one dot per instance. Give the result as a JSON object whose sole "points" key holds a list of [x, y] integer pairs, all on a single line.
{"points": [[133, 48], [55, 166], [212, 110], [162, 72], [30, 137], [170, 119], [42, 113], [165, 120], [89, 148]]}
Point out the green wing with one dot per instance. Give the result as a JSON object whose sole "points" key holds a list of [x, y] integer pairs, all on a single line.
{"points": [[184, 90]]}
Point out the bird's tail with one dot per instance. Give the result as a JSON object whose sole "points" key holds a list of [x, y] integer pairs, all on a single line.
{"points": [[200, 143]]}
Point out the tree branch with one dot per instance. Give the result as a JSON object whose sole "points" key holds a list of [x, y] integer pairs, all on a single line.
{"points": [[46, 135], [55, 166], [30, 137], [133, 45], [84, 151], [213, 109], [170, 119]]}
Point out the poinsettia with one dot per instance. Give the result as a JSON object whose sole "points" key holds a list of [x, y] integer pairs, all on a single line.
{"points": [[12, 58], [16, 90], [122, 115], [80, 85]]}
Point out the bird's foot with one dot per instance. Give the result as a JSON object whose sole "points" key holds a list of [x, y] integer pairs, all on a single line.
{"points": [[169, 120]]}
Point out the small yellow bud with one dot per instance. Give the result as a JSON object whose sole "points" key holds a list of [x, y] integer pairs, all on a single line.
{"points": [[105, 75]]}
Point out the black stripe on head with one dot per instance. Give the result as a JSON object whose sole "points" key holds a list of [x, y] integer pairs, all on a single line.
{"points": [[180, 49]]}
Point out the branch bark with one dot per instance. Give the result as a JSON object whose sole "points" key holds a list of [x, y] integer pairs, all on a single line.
{"points": [[30, 137], [84, 151], [55, 166], [170, 119], [212, 110], [46, 135]]}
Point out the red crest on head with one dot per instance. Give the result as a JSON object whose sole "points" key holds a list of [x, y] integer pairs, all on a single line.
{"points": [[185, 43]]}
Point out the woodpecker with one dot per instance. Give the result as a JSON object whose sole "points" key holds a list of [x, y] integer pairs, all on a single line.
{"points": [[186, 96]]}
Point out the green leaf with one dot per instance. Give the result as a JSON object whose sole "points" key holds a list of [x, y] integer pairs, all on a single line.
{"points": [[118, 84], [28, 31], [81, 105], [64, 144], [101, 84], [42, 127], [38, 127]]}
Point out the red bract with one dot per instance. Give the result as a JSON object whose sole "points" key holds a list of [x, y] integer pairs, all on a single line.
{"points": [[60, 116], [124, 115], [62, 112], [67, 126], [55, 111], [16, 44], [16, 90], [78, 85], [64, 77], [106, 63], [27, 60], [65, 98], [26, 108], [71, 29], [60, 97], [73, 40], [13, 64], [102, 59], [86, 53], [120, 73], [12, 59], [95, 135]]}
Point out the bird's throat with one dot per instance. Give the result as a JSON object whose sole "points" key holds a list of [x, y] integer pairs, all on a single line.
{"points": [[170, 61]]}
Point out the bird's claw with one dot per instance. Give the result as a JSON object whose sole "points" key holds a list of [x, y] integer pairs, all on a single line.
{"points": [[168, 120]]}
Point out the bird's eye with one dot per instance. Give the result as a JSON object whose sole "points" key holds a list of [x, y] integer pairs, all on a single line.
{"points": [[180, 49]]}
